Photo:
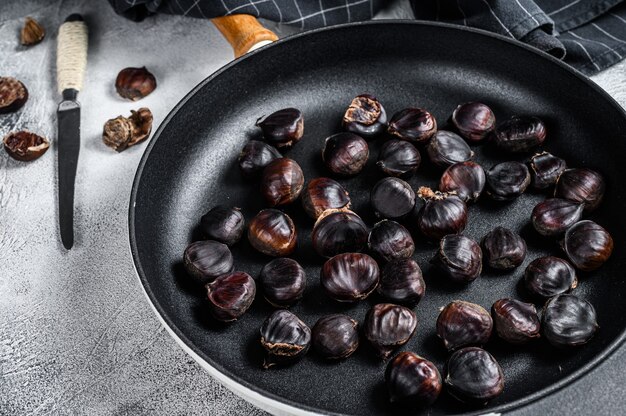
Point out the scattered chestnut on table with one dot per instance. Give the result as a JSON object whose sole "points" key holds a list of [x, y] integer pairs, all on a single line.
{"points": [[365, 116], [520, 134], [474, 121], [335, 337], [281, 182], [205, 260], [402, 282], [345, 154], [122, 132], [465, 179], [473, 376], [568, 321], [25, 146], [389, 240], [515, 322], [461, 324], [32, 32], [587, 245], [503, 249], [555, 215], [441, 214], [13, 95], [273, 233], [581, 185], [412, 381], [338, 231], [392, 198], [507, 180], [255, 156], [446, 148], [283, 281], [413, 124], [135, 83], [282, 128], [223, 224], [388, 327], [459, 257], [349, 277], [285, 338], [398, 158], [549, 276], [230, 295], [321, 194], [545, 169]]}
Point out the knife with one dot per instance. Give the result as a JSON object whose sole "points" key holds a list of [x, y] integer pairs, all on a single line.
{"points": [[71, 63]]}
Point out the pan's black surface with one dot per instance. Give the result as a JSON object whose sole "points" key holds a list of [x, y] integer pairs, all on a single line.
{"points": [[190, 166]]}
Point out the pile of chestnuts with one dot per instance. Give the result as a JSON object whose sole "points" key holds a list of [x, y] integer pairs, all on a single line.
{"points": [[360, 261]]}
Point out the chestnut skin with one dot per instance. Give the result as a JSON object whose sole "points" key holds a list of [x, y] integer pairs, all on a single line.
{"points": [[441, 214], [587, 245], [283, 281], [545, 169], [205, 260], [459, 257], [389, 240], [321, 194], [13, 95], [336, 336], [402, 282], [568, 321], [283, 128], [503, 249], [349, 277], [365, 116], [446, 148], [554, 216], [520, 134], [388, 327], [223, 224], [473, 376], [413, 124], [466, 179], [255, 156], [549, 276], [581, 185], [461, 324], [281, 182], [230, 295], [25, 146], [412, 381], [272, 233], [516, 322], [345, 154], [392, 198], [398, 158], [338, 231], [474, 121], [285, 338]]}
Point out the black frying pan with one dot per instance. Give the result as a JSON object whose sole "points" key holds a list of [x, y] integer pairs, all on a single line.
{"points": [[189, 166]]}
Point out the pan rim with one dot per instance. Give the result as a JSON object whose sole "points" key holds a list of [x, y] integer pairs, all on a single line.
{"points": [[252, 393]]}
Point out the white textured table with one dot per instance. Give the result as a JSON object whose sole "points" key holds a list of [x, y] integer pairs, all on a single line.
{"points": [[77, 335]]}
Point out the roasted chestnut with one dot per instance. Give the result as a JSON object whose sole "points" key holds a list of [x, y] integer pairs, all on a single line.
{"points": [[283, 281], [412, 381], [581, 185], [520, 134], [338, 231], [230, 295], [284, 337], [555, 215], [461, 324], [25, 145], [446, 148], [282, 182], [473, 376], [398, 158], [335, 336], [283, 128], [390, 240], [441, 214], [545, 169], [365, 116], [568, 321], [474, 121], [515, 322], [135, 83], [388, 327], [121, 132], [465, 179], [508, 180], [345, 154], [413, 124], [549, 276], [13, 95], [349, 277], [503, 249], [402, 282], [206, 260], [255, 156], [223, 224], [587, 245], [459, 257], [392, 198], [321, 194], [273, 233]]}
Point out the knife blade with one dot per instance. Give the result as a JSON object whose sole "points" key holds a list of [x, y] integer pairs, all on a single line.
{"points": [[71, 63]]}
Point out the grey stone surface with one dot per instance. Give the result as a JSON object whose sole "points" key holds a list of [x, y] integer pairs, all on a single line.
{"points": [[77, 336]]}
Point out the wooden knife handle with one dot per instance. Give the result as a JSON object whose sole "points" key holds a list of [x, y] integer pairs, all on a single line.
{"points": [[71, 53], [243, 32]]}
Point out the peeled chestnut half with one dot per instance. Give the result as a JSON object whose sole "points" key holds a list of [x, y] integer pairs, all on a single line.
{"points": [[273, 233], [473, 376], [555, 215], [402, 282], [223, 224], [283, 128], [255, 156], [206, 260], [446, 148], [390, 240], [398, 158], [459, 257], [365, 116], [441, 214], [474, 121], [349, 277], [568, 321], [587, 245], [284, 337], [465, 179], [463, 323], [25, 146], [581, 185], [520, 134], [392, 198], [412, 381], [345, 154], [388, 327], [283, 281], [545, 169], [13, 95], [321, 194], [282, 182], [549, 276], [508, 180], [230, 295], [335, 336], [413, 124], [503, 249], [515, 322], [338, 231]]}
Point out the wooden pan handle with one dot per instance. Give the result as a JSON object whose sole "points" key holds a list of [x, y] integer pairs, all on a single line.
{"points": [[243, 32]]}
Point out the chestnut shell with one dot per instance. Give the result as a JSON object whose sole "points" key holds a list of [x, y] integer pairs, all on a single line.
{"points": [[230, 295], [255, 156], [321, 194], [345, 154], [520, 134], [273, 233], [349, 277], [568, 321], [413, 124], [555, 215], [392, 198], [25, 146], [515, 322], [473, 376], [281, 182], [389, 240], [402, 282], [284, 337], [338, 231], [461, 324], [474, 121], [283, 281], [549, 276], [365, 116], [581, 185], [446, 148], [398, 158], [441, 214], [503, 249], [335, 336], [388, 327], [13, 95], [587, 245], [465, 179], [282, 128], [412, 381], [459, 258]]}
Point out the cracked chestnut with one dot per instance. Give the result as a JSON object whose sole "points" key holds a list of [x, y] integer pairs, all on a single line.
{"points": [[568, 321], [283, 128], [402, 282], [387, 327], [25, 145], [338, 231], [465, 179], [205, 260], [122, 132], [412, 381], [230, 295], [549, 276], [587, 245], [335, 337], [135, 83], [474, 121], [321, 194], [281, 182], [459, 257], [349, 277], [389, 240], [515, 322], [365, 116], [13, 95], [581, 185], [283, 282], [441, 214], [461, 324], [520, 134], [345, 154], [446, 148], [223, 224], [392, 198], [255, 156], [507, 181], [398, 158], [273, 233], [285, 338], [545, 169], [413, 124], [503, 249], [473, 376], [555, 215]]}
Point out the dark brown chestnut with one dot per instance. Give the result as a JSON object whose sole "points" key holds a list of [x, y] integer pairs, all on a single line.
{"points": [[390, 240], [388, 327], [282, 182], [255, 156], [459, 257], [230, 295], [283, 128], [555, 215], [402, 282], [25, 146], [273, 233], [446, 148], [398, 158], [508, 180], [338, 231], [520, 134], [568, 321], [503, 249], [473, 376], [135, 83], [283, 281], [206, 260], [474, 121], [13, 95], [461, 324], [223, 224], [545, 169], [321, 194], [581, 185], [465, 179], [515, 322], [441, 214], [349, 277], [587, 245], [413, 124], [549, 276], [345, 154], [336, 336], [392, 198], [285, 338], [365, 116], [412, 381]]}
